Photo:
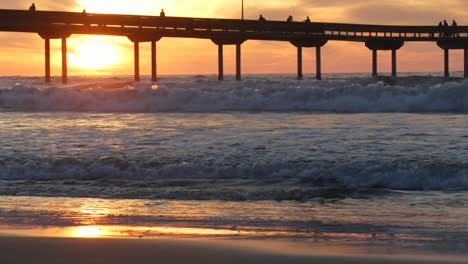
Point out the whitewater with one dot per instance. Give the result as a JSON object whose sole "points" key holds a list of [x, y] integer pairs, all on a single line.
{"points": [[414, 94], [264, 138], [380, 162]]}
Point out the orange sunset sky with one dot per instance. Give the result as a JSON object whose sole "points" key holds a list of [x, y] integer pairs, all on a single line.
{"points": [[22, 54]]}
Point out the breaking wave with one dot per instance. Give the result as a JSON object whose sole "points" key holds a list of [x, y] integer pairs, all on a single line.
{"points": [[201, 94], [113, 177]]}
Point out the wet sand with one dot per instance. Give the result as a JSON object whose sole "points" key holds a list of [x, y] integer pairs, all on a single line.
{"points": [[115, 251]]}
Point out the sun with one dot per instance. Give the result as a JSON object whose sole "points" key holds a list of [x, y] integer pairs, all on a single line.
{"points": [[93, 53], [88, 231]]}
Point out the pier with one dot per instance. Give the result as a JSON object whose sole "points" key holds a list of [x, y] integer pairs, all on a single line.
{"points": [[61, 25]]}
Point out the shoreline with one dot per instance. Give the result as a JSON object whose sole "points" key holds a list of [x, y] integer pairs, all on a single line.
{"points": [[115, 251]]}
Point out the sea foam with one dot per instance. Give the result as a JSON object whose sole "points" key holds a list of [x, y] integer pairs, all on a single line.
{"points": [[359, 95]]}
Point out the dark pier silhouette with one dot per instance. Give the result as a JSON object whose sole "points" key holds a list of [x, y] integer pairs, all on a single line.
{"points": [[61, 25]]}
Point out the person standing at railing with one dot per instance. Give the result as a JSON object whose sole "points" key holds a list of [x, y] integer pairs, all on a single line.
{"points": [[162, 14], [32, 8], [455, 28], [261, 19], [290, 19], [441, 29], [446, 29], [84, 14]]}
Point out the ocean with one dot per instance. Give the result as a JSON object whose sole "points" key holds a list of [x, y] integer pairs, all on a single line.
{"points": [[350, 160]]}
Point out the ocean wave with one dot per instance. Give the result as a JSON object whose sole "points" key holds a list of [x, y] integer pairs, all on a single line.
{"points": [[358, 95], [273, 180]]}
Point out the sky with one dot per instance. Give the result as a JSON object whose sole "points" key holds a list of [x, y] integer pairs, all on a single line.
{"points": [[23, 53]]}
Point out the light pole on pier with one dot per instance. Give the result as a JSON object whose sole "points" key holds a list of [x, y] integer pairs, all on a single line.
{"points": [[242, 9]]}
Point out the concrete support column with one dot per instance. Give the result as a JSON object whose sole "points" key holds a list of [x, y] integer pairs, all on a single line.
{"points": [[47, 60], [299, 63], [466, 63], [318, 63], [154, 76], [446, 63], [238, 62], [136, 47], [64, 61], [374, 62], [220, 63], [394, 63]]}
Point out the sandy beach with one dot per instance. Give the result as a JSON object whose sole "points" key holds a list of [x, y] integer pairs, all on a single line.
{"points": [[73, 250]]}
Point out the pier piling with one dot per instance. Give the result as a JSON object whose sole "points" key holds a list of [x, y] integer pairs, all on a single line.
{"points": [[238, 62], [47, 59], [64, 61], [136, 47], [154, 76], [466, 63], [455, 44], [220, 63], [384, 44], [220, 42], [374, 62], [318, 63], [446, 63], [299, 63]]}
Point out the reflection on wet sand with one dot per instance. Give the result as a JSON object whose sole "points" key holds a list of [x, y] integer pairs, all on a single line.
{"points": [[113, 231]]}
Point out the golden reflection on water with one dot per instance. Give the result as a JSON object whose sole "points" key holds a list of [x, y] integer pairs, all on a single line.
{"points": [[115, 232], [141, 231]]}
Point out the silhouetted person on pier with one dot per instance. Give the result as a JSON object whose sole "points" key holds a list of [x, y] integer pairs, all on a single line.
{"points": [[441, 29], [307, 20], [162, 14], [455, 28], [446, 29], [261, 19], [290, 19], [86, 19], [32, 8]]}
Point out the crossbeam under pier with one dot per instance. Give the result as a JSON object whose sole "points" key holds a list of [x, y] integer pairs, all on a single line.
{"points": [[220, 42], [384, 44], [456, 44], [47, 36]]}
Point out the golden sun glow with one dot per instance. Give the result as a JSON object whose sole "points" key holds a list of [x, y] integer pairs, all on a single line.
{"points": [[88, 231], [93, 54]]}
